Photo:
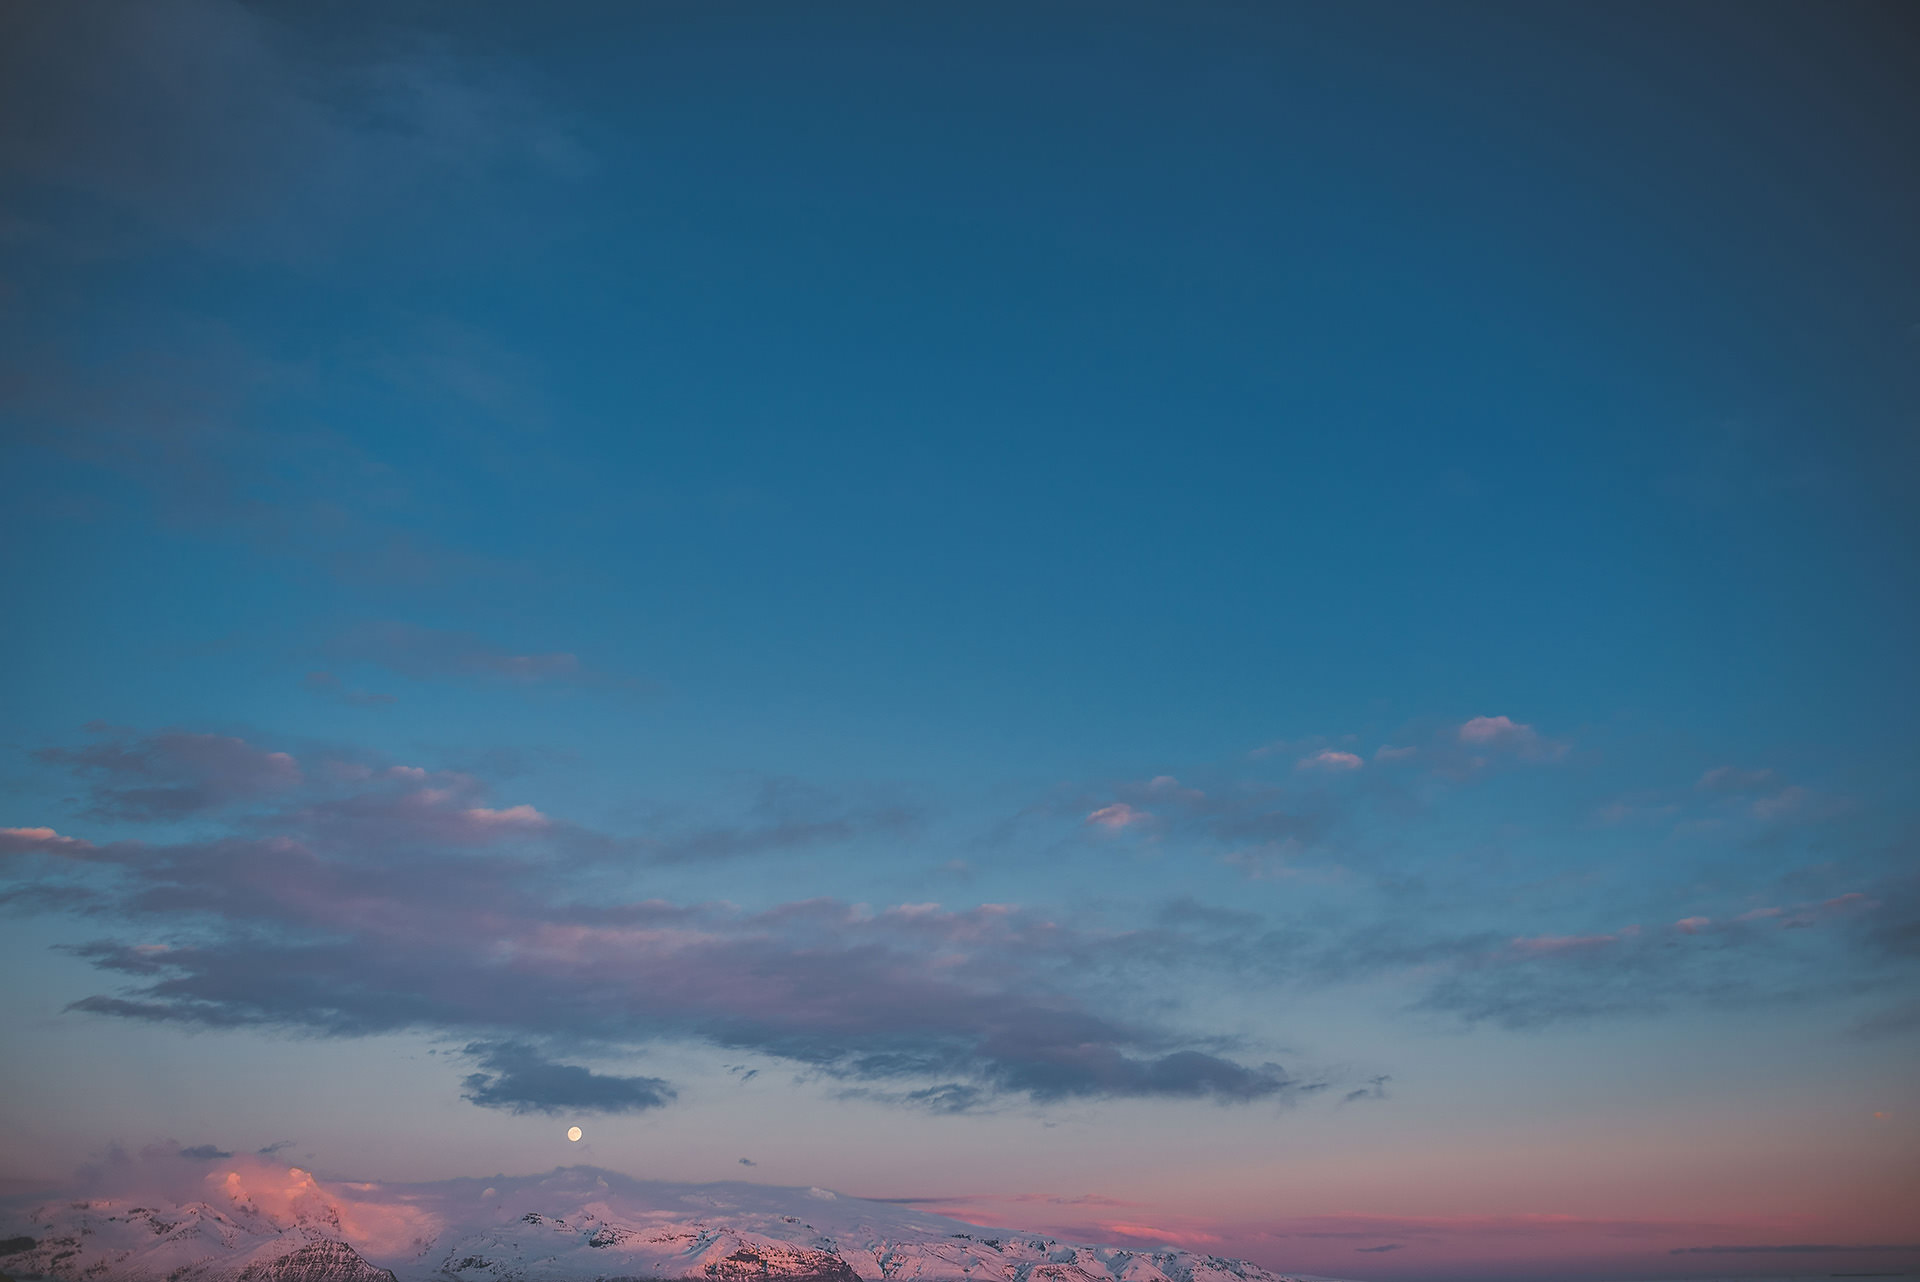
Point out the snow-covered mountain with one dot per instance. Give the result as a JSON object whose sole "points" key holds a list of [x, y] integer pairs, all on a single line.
{"points": [[272, 1224]]}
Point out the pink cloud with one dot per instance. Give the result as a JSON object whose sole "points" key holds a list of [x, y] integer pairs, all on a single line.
{"points": [[1168, 786], [1330, 759], [1117, 816], [1490, 729], [1548, 945], [511, 817], [1692, 925], [1839, 905], [1513, 736], [1811, 913], [1147, 1232], [1386, 753], [18, 841]]}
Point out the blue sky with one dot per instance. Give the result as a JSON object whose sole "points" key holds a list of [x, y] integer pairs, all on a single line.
{"points": [[1362, 556]]}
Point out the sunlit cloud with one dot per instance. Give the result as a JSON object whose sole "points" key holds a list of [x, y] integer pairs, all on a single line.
{"points": [[1117, 816], [1330, 759]]}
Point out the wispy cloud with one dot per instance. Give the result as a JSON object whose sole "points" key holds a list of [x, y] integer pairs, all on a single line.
{"points": [[1119, 815], [174, 773], [208, 121], [1734, 779], [1797, 1248], [1330, 759], [785, 814], [429, 654], [332, 687]]}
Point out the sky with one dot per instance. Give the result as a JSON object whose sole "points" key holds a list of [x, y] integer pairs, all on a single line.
{"points": [[1283, 628]]}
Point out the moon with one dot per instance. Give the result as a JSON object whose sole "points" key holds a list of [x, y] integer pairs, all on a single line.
{"points": [[573, 1133]]}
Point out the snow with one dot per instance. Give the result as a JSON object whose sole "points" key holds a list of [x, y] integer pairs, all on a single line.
{"points": [[577, 1223]]}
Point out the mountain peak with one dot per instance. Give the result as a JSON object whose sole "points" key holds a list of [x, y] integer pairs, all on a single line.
{"points": [[574, 1224]]}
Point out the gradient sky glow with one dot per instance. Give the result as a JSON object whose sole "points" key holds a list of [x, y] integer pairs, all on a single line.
{"points": [[1282, 628]]}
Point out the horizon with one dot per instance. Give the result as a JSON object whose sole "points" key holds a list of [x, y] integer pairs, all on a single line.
{"points": [[1284, 628], [249, 1179]]}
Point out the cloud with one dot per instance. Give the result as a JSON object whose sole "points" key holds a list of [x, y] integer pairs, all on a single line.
{"points": [[948, 1097], [1507, 735], [432, 654], [1788, 802], [1796, 1248], [1168, 786], [204, 1153], [1117, 816], [522, 816], [1376, 1088], [1187, 911], [785, 815], [1494, 730], [516, 1079], [399, 898], [1533, 981], [1734, 779], [1899, 1020], [1390, 1246], [137, 130], [18, 841], [1329, 759], [211, 122], [174, 774], [330, 686], [747, 1161], [1539, 945]]}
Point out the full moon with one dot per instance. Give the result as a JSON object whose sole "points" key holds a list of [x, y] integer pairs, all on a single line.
{"points": [[573, 1133]]}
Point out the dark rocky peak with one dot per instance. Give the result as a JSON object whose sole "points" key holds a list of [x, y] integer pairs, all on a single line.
{"points": [[323, 1261]]}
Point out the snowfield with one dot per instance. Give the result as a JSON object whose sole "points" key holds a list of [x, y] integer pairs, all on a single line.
{"points": [[576, 1223]]}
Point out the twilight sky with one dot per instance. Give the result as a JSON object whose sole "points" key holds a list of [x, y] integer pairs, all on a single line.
{"points": [[1288, 629]]}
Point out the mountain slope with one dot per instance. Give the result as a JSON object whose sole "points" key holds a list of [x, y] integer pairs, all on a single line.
{"points": [[272, 1224]]}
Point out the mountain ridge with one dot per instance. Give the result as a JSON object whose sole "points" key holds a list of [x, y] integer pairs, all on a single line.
{"points": [[258, 1223]]}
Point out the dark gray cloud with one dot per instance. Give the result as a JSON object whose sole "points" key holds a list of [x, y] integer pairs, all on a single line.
{"points": [[517, 1079], [948, 1097], [1390, 1246], [173, 774], [1376, 1088], [204, 1153]]}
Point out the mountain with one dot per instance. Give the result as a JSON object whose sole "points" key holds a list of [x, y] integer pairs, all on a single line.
{"points": [[256, 1223]]}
